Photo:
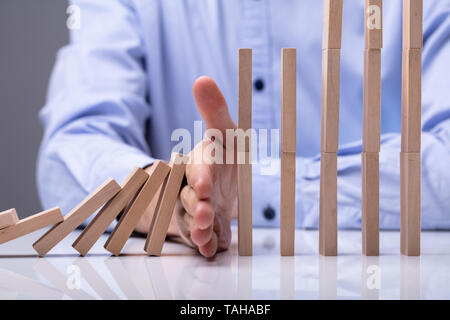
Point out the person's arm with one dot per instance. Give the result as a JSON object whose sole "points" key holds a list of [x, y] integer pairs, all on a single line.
{"points": [[96, 109]]}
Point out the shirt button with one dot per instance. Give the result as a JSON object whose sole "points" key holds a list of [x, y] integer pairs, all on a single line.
{"points": [[259, 85], [269, 213]]}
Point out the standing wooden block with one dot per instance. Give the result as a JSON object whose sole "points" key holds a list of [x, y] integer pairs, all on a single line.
{"points": [[288, 100], [131, 217], [370, 204], [110, 211], [74, 218], [166, 203], [287, 204], [331, 66], [412, 100], [412, 24], [373, 24], [8, 218], [332, 24], [410, 178], [245, 170], [31, 224], [328, 205], [372, 100]]}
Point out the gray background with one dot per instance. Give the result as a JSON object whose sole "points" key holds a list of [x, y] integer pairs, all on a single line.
{"points": [[31, 32]]}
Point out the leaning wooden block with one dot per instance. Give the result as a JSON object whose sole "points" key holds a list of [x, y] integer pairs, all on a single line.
{"points": [[245, 224], [31, 224], [412, 24], [288, 100], [245, 93], [370, 204], [164, 209], [287, 203], [328, 205], [131, 217], [75, 218], [372, 100], [410, 177], [373, 24], [332, 24], [330, 100], [412, 100], [8, 218], [110, 211]]}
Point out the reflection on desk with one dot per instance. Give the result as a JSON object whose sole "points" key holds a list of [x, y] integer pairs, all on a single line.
{"points": [[182, 274]]}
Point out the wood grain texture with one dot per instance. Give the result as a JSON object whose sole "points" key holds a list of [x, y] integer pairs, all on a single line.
{"points": [[288, 99], [412, 100], [372, 100], [8, 218], [410, 202], [328, 205], [130, 218], [412, 24], [110, 211], [75, 218], [373, 36], [370, 203], [330, 100], [287, 204], [332, 24], [31, 224], [166, 204], [245, 93]]}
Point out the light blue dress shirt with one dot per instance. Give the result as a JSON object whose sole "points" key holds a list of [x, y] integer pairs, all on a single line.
{"points": [[124, 83]]}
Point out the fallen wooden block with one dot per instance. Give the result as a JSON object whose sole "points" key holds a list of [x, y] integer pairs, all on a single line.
{"points": [[287, 204], [370, 204], [75, 218], [332, 24], [8, 218], [110, 211], [31, 224], [130, 218], [164, 209], [412, 24], [373, 24]]}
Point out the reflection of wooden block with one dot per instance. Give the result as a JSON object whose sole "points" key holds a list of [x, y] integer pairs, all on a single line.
{"points": [[31, 224], [166, 204], [287, 203], [328, 205], [370, 204], [131, 217], [373, 10], [245, 92], [372, 100], [110, 211], [330, 100], [412, 100], [412, 24], [75, 218], [8, 218], [288, 100], [332, 24], [410, 203], [245, 235]]}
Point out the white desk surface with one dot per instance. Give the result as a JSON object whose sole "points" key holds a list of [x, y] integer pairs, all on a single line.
{"points": [[181, 274]]}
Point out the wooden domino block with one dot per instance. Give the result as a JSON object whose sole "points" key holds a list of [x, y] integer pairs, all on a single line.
{"points": [[245, 169], [288, 100], [166, 203], [287, 204], [332, 24], [328, 205], [412, 24], [373, 24], [372, 100], [412, 100], [370, 204], [410, 179], [75, 218], [330, 100], [31, 224], [110, 211], [131, 217], [8, 218]]}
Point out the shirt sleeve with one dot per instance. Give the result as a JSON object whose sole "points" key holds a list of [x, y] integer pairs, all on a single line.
{"points": [[96, 111]]}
